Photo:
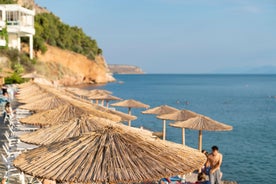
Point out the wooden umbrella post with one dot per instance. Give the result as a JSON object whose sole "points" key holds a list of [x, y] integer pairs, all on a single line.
{"points": [[183, 136], [164, 129], [107, 103], [200, 140], [129, 112]]}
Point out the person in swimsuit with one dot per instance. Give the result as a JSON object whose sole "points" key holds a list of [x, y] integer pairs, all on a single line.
{"points": [[215, 160]]}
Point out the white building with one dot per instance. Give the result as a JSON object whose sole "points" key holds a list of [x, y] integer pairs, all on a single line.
{"points": [[19, 22]]}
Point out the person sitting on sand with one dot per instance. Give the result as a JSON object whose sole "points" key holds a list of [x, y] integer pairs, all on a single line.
{"points": [[201, 179], [215, 160]]}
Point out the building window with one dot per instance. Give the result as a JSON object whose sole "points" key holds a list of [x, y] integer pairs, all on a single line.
{"points": [[12, 17]]}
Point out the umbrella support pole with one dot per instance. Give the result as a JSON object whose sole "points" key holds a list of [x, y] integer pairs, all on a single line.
{"points": [[22, 177], [183, 136], [164, 129], [129, 112], [200, 140], [107, 104]]}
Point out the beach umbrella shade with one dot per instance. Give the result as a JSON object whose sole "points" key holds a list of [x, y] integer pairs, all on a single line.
{"points": [[64, 113], [130, 104], [124, 117], [33, 98], [201, 123], [77, 91], [112, 155], [160, 110], [59, 132], [105, 97], [97, 92], [179, 115], [29, 91], [50, 102]]}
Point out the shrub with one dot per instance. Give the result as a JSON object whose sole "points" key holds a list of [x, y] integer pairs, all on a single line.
{"points": [[14, 79]]}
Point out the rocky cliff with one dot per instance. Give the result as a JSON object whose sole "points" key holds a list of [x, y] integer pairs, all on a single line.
{"points": [[66, 67], [30, 4], [69, 68], [125, 69]]}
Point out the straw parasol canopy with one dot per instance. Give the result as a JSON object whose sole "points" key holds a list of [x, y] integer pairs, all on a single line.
{"points": [[160, 110], [163, 109], [105, 97], [33, 98], [124, 117], [59, 132], [99, 92], [77, 91], [28, 91], [50, 102], [65, 113], [200, 123], [111, 155], [179, 115], [130, 104]]}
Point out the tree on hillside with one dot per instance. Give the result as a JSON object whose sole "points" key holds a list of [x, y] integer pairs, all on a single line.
{"points": [[50, 30]]}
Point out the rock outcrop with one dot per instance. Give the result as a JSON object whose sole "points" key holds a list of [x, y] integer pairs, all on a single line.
{"points": [[65, 67], [69, 68], [30, 4], [125, 69]]}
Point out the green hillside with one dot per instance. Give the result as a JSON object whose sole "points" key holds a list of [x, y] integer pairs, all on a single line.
{"points": [[50, 30]]}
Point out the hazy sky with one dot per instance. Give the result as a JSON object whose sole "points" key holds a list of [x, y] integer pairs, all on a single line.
{"points": [[177, 36]]}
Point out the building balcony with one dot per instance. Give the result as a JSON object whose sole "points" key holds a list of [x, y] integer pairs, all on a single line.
{"points": [[21, 29]]}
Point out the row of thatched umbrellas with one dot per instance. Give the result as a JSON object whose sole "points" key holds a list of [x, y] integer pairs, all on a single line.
{"points": [[83, 143]]}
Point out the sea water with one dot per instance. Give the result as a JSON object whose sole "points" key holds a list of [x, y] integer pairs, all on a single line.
{"points": [[246, 102]]}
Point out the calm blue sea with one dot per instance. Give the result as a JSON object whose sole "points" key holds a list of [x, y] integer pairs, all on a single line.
{"points": [[247, 102]]}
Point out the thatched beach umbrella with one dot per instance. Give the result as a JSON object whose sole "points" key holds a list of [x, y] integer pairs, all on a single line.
{"points": [[77, 91], [28, 91], [64, 113], [59, 132], [50, 102], [99, 92], [160, 110], [33, 98], [200, 123], [130, 104], [179, 115], [105, 97], [112, 155]]}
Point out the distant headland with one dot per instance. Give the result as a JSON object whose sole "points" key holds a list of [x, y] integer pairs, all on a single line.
{"points": [[125, 69]]}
